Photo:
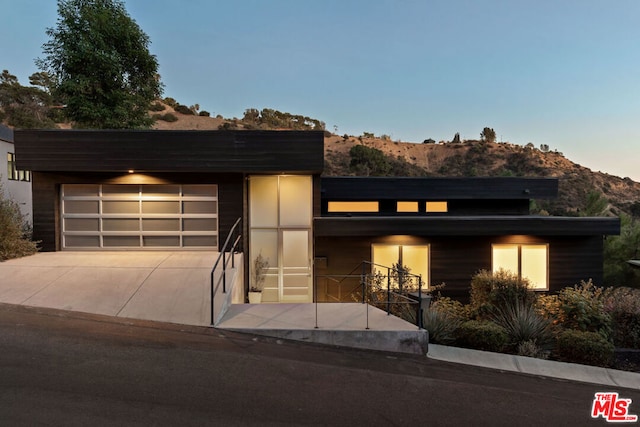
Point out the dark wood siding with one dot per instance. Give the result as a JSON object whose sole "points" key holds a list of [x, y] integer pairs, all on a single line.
{"points": [[170, 151], [454, 260], [46, 198]]}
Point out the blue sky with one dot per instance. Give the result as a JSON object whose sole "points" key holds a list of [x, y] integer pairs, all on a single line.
{"points": [[564, 73]]}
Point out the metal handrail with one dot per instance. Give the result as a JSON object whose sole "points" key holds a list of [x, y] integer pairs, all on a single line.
{"points": [[225, 264], [366, 285]]}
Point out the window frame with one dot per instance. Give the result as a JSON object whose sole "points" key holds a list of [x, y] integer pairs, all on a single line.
{"points": [[13, 173], [426, 282], [520, 266]]}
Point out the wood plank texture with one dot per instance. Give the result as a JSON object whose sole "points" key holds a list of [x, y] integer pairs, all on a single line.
{"points": [[170, 151]]}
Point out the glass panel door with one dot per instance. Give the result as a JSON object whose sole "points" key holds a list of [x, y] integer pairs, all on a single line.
{"points": [[296, 266]]}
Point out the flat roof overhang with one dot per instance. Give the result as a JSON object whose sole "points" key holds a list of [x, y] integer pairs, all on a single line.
{"points": [[435, 188], [98, 151], [465, 226]]}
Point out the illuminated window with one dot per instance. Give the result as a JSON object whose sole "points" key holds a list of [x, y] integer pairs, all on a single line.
{"points": [[13, 173], [407, 207], [527, 261], [353, 207], [437, 207], [416, 257]]}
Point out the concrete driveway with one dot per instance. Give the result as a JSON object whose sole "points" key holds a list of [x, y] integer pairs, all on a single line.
{"points": [[159, 285]]}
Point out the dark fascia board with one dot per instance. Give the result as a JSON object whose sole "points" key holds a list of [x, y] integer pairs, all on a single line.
{"points": [[6, 134], [170, 151], [466, 226], [410, 188]]}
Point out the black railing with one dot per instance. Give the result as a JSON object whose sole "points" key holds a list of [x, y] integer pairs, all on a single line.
{"points": [[236, 235], [398, 292]]}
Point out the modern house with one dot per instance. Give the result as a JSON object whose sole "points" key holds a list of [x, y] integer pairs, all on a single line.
{"points": [[183, 190], [15, 182]]}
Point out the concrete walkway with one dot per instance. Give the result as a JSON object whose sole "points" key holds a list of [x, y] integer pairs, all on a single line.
{"points": [[345, 324], [538, 367]]}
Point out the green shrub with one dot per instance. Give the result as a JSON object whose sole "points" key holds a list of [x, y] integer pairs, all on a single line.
{"points": [[204, 113], [585, 347], [532, 349], [523, 323], [14, 239], [183, 109], [623, 305], [168, 117], [156, 106], [490, 291], [580, 307], [451, 307], [171, 102], [441, 325], [481, 335]]}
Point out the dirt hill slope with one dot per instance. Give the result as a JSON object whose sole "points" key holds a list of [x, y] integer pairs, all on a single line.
{"points": [[470, 158]]}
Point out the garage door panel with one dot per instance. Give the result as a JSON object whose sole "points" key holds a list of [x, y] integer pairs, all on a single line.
{"points": [[125, 216], [161, 241], [160, 207], [121, 241], [196, 241], [161, 224], [149, 191], [82, 207], [120, 207], [198, 224], [120, 190], [82, 224], [120, 224], [82, 241]]}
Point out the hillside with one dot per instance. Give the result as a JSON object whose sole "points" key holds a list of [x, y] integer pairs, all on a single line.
{"points": [[470, 158]]}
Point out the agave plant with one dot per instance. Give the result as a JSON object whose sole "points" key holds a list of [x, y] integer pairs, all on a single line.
{"points": [[441, 326], [523, 323]]}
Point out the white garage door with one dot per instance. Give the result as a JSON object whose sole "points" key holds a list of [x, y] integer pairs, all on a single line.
{"points": [[128, 216]]}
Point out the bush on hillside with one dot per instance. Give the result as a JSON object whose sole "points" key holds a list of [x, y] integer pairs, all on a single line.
{"points": [[585, 347], [491, 291], [14, 238], [204, 113], [170, 102], [623, 305], [481, 335], [157, 106], [183, 109], [580, 307], [168, 117]]}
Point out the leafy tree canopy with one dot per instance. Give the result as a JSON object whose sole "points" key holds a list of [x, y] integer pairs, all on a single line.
{"points": [[488, 135], [274, 119], [26, 107], [100, 65]]}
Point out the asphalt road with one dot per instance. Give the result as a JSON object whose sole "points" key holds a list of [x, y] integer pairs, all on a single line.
{"points": [[69, 369]]}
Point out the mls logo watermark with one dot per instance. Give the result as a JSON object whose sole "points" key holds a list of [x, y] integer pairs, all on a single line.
{"points": [[612, 408]]}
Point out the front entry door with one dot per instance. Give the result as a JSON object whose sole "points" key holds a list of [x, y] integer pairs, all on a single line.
{"points": [[296, 266]]}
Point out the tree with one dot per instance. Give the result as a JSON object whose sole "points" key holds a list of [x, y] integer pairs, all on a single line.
{"points": [[101, 67], [596, 205], [366, 161], [488, 135], [618, 250], [23, 106]]}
